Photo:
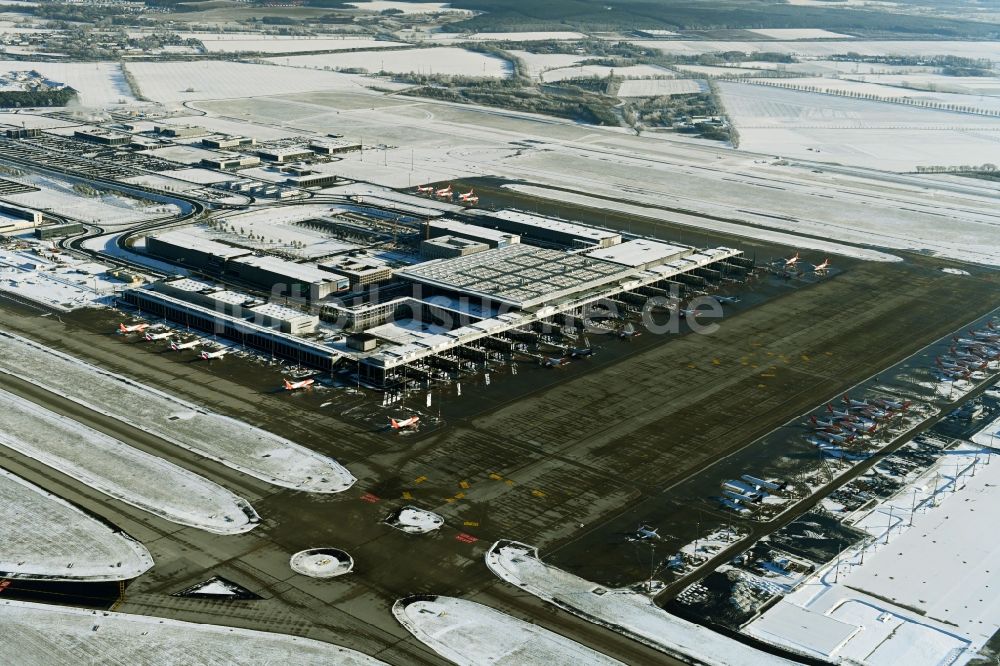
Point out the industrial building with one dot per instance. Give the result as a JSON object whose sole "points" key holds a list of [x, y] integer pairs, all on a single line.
{"points": [[313, 180], [284, 155], [22, 133], [447, 247], [264, 273], [641, 253], [58, 230], [103, 137], [194, 250], [227, 162], [250, 334], [334, 146], [180, 131], [282, 277], [472, 299], [360, 270], [226, 142], [549, 230], [491, 237], [33, 217], [520, 276]]}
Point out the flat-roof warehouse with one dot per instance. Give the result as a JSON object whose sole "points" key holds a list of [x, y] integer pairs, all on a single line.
{"points": [[549, 229], [522, 276]]}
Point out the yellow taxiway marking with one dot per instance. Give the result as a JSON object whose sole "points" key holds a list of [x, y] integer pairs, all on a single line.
{"points": [[471, 523], [464, 484], [496, 477], [407, 495], [420, 479], [537, 493]]}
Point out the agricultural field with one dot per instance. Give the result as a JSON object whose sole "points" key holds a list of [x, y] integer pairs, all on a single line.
{"points": [[661, 87], [603, 71], [98, 84], [798, 33], [964, 85], [406, 7], [242, 43], [876, 90], [538, 63], [430, 61], [825, 49], [887, 136], [177, 82]]}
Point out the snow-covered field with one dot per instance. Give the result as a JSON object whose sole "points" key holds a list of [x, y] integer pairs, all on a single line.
{"points": [[57, 196], [406, 7], [624, 611], [98, 84], [175, 82], [121, 471], [436, 60], [921, 593], [61, 636], [825, 49], [988, 436], [471, 634], [523, 36], [874, 86], [65, 284], [964, 85], [236, 42], [601, 71], [885, 136], [834, 67], [241, 446], [44, 536], [724, 227], [798, 33], [536, 63], [714, 70], [32, 120], [659, 87]]}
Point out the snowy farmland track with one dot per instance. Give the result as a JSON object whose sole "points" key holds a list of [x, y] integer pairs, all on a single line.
{"points": [[233, 443], [121, 471], [59, 636], [472, 634], [45, 537]]}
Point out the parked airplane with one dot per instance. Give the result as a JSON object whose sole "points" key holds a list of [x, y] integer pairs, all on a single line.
{"points": [[644, 533], [820, 424], [404, 423], [554, 362], [179, 346], [628, 331], [728, 299], [792, 261], [134, 328], [425, 189], [291, 386], [580, 352], [894, 404], [855, 404], [444, 192], [151, 337], [208, 356], [839, 414], [822, 268], [839, 439], [465, 196]]}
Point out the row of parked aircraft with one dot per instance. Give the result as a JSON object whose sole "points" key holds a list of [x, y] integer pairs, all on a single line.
{"points": [[448, 193], [858, 418], [793, 264], [394, 424], [970, 355]]}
